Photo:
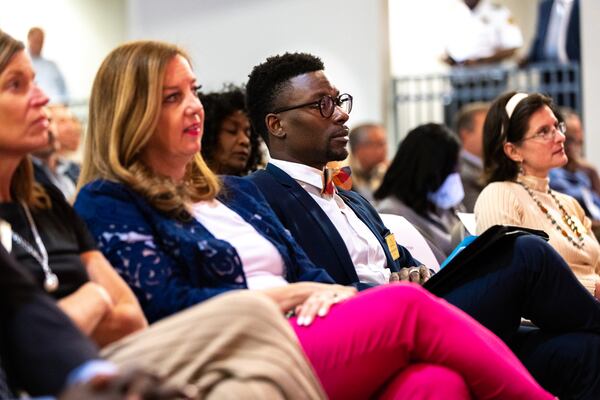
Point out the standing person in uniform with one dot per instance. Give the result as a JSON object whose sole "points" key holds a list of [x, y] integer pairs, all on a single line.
{"points": [[483, 36]]}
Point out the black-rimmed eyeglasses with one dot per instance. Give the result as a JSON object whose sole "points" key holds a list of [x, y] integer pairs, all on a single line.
{"points": [[325, 104]]}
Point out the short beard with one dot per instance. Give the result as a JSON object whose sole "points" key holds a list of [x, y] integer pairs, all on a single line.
{"points": [[336, 155]]}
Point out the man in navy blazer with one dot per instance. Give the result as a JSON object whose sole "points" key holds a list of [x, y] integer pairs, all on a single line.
{"points": [[302, 116], [307, 131], [315, 232]]}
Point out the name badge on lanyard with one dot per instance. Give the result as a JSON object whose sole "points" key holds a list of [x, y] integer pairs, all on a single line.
{"points": [[6, 235], [390, 240]]}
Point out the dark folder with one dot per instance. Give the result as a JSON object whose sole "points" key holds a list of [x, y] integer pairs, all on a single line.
{"points": [[464, 264]]}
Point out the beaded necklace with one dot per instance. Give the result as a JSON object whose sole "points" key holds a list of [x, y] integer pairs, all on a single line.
{"points": [[566, 217]]}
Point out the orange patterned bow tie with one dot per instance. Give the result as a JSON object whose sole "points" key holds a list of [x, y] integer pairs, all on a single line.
{"points": [[333, 177]]}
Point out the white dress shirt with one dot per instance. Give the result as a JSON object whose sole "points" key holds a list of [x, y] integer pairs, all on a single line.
{"points": [[262, 263], [364, 248]]}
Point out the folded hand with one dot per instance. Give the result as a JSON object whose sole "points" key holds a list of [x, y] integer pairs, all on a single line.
{"points": [[319, 302], [420, 274]]}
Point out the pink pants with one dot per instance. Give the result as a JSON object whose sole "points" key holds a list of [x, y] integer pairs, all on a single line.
{"points": [[398, 341]]}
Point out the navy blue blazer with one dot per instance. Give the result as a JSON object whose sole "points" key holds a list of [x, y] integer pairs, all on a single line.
{"points": [[171, 265], [536, 54], [312, 228]]}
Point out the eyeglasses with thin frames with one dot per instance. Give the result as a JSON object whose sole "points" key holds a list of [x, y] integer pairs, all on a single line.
{"points": [[548, 133], [325, 104]]}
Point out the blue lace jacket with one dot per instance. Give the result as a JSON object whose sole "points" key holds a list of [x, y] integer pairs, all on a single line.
{"points": [[171, 265]]}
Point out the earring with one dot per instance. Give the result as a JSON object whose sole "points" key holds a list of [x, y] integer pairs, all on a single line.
{"points": [[521, 170]]}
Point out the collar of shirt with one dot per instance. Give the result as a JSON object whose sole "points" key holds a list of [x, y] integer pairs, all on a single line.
{"points": [[472, 158], [309, 178], [301, 172], [363, 246], [62, 166]]}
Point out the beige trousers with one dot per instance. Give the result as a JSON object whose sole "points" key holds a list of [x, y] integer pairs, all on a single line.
{"points": [[236, 346]]}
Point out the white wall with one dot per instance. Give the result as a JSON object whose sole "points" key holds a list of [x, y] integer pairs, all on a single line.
{"points": [[79, 33], [226, 38]]}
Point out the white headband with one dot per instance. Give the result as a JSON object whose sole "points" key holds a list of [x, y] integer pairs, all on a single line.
{"points": [[513, 102]]}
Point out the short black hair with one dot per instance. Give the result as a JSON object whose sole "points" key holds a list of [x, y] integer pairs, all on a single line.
{"points": [[426, 156], [269, 79], [217, 107]]}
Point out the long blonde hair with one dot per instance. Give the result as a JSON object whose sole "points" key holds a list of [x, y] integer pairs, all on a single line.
{"points": [[124, 110], [22, 185]]}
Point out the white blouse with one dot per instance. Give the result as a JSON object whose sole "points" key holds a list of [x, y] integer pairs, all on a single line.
{"points": [[262, 263]]}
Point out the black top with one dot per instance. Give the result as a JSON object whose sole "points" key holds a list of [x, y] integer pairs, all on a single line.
{"points": [[39, 344], [65, 237]]}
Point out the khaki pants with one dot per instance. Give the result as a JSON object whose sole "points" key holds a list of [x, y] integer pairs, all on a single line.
{"points": [[236, 346]]}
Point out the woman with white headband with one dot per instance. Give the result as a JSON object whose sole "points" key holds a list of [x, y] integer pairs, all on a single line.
{"points": [[523, 140]]}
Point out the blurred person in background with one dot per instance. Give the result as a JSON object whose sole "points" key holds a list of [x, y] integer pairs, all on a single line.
{"points": [[578, 178], [68, 136], [368, 158], [229, 145], [482, 37], [50, 167], [557, 43], [48, 75], [469, 128], [557, 35]]}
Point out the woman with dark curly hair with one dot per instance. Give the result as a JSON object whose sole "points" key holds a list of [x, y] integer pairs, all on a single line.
{"points": [[229, 145]]}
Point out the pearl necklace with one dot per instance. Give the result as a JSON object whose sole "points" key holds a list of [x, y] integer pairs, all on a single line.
{"points": [[50, 278], [566, 217]]}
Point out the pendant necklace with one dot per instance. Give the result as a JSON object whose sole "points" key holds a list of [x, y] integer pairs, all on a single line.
{"points": [[50, 278], [578, 240]]}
